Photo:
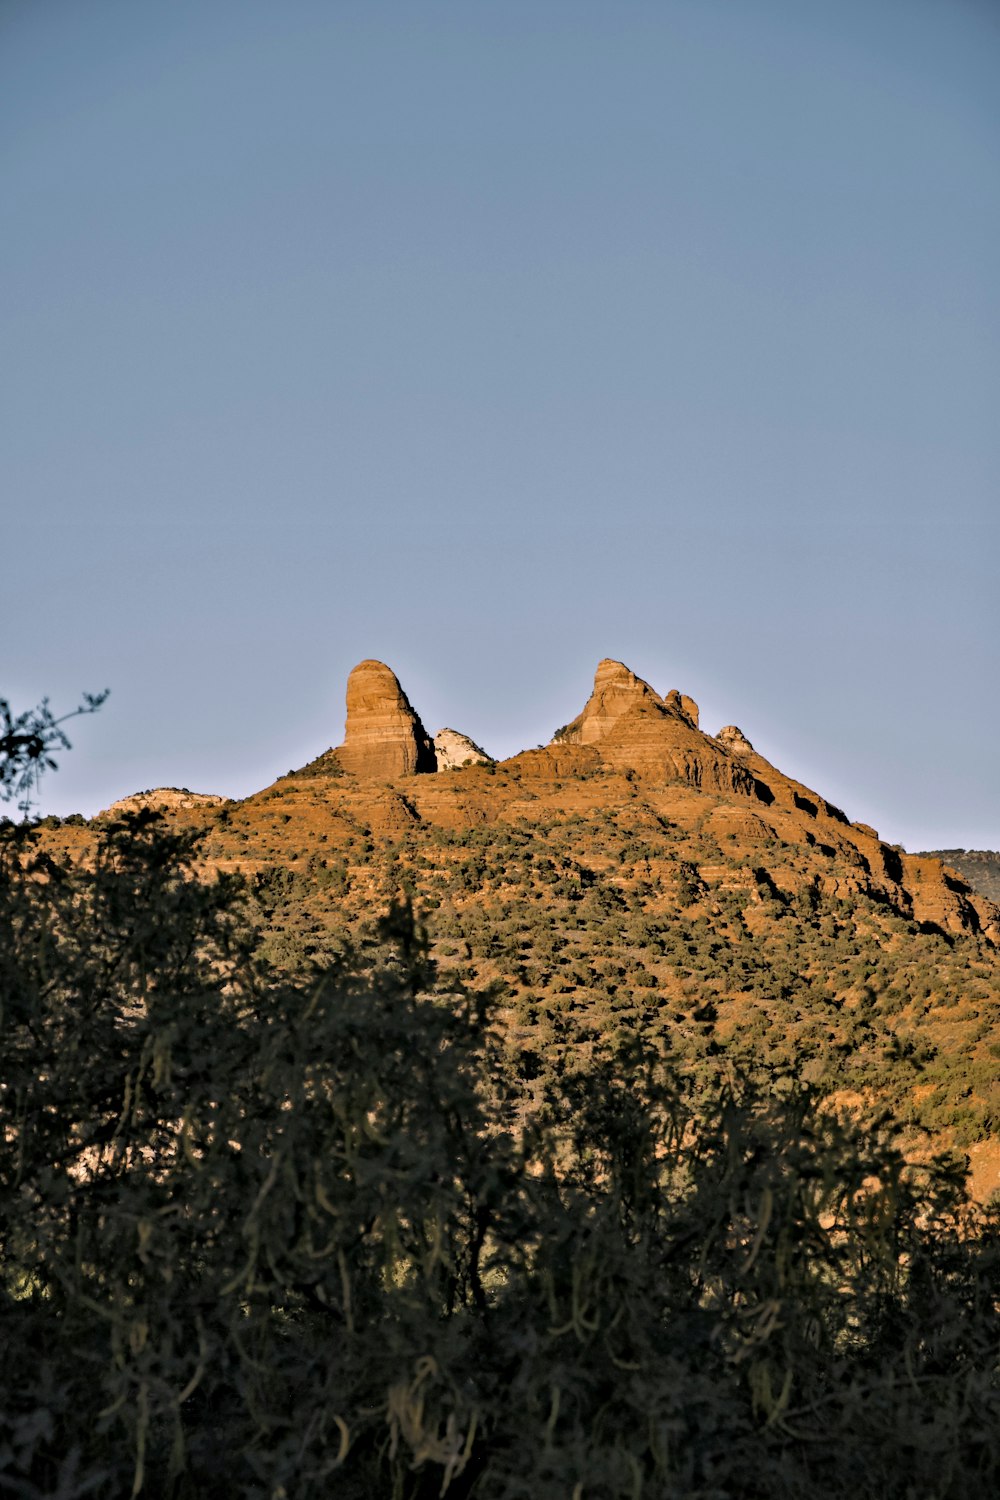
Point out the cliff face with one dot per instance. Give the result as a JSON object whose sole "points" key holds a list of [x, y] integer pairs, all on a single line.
{"points": [[980, 868], [617, 694], [383, 737], [920, 888]]}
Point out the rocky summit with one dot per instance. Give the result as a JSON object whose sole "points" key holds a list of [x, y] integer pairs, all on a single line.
{"points": [[617, 694], [627, 740], [636, 875], [383, 737], [634, 729]]}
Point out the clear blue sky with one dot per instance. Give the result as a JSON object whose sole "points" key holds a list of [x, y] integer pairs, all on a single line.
{"points": [[491, 338]]}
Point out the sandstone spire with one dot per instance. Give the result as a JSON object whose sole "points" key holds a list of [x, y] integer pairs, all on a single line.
{"points": [[383, 738]]}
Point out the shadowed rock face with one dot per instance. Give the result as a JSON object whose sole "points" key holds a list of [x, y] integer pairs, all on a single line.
{"points": [[383, 737], [681, 704]]}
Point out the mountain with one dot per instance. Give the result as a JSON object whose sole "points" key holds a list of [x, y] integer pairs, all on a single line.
{"points": [[627, 746], [639, 875]]}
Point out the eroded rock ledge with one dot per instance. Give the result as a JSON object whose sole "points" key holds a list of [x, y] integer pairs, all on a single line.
{"points": [[171, 797]]}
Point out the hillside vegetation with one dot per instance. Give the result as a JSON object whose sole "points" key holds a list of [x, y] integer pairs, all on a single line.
{"points": [[265, 1236], [579, 1126], [637, 878]]}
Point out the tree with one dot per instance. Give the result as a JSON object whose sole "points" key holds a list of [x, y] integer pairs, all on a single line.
{"points": [[27, 745]]}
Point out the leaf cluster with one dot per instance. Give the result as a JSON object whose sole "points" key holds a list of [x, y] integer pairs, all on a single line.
{"points": [[28, 742]]}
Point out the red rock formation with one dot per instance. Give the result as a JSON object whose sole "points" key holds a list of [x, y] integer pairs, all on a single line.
{"points": [[169, 797], [683, 705], [734, 740], [383, 738], [634, 729], [739, 824], [617, 691]]}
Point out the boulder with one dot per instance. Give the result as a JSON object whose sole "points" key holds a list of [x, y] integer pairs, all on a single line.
{"points": [[384, 737]]}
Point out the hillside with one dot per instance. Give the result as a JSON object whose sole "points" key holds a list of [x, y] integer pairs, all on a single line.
{"points": [[638, 875], [308, 1233], [979, 867]]}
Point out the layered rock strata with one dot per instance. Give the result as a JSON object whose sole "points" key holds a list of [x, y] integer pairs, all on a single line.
{"points": [[169, 797], [634, 729], [617, 694], [383, 737]]}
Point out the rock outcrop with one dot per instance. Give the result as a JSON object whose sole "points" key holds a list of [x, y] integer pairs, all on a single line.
{"points": [[454, 750], [625, 735], [170, 797], [980, 867], [739, 824], [681, 704], [734, 740], [634, 729], [617, 692], [384, 737]]}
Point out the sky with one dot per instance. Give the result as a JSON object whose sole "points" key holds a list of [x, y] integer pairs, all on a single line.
{"points": [[492, 338]]}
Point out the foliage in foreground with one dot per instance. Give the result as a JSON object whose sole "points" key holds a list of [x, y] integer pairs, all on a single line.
{"points": [[265, 1239]]}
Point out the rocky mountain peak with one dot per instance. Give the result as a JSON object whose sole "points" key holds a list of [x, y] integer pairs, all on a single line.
{"points": [[632, 728], [617, 692], [383, 736]]}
